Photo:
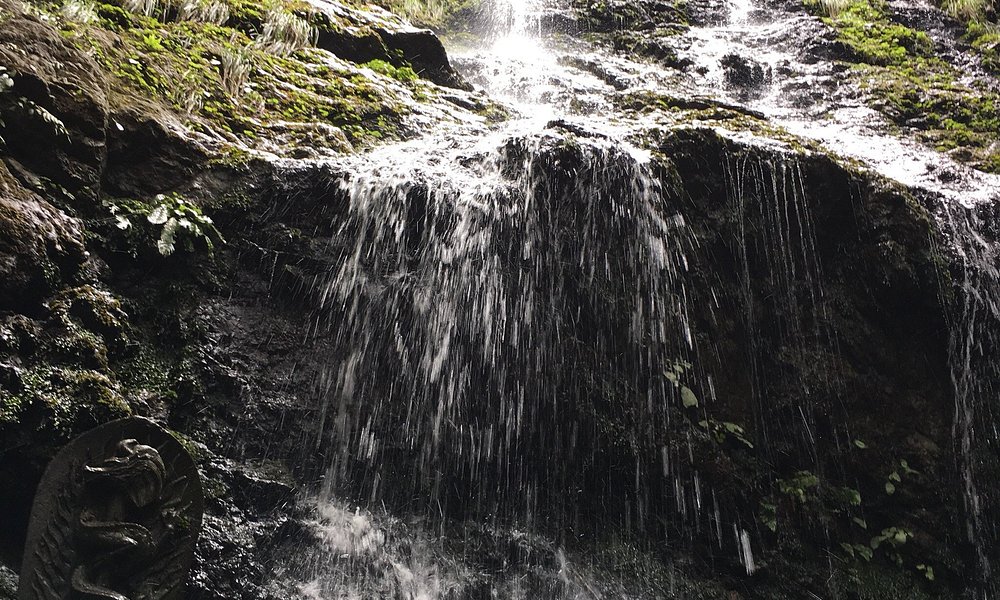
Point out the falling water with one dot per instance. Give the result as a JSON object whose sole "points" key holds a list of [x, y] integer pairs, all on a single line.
{"points": [[511, 311], [975, 371], [476, 310]]}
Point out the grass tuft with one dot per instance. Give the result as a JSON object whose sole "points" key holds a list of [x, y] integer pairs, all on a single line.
{"points": [[284, 33], [204, 11], [965, 10], [235, 71], [833, 8], [79, 11]]}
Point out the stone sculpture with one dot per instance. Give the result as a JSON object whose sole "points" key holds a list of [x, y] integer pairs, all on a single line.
{"points": [[116, 516]]}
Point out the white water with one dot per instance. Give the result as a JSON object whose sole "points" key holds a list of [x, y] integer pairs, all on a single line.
{"points": [[795, 98]]}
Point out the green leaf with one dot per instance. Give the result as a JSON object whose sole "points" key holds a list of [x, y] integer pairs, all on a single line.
{"points": [[860, 444], [860, 522], [894, 476], [890, 488], [166, 242], [688, 399]]}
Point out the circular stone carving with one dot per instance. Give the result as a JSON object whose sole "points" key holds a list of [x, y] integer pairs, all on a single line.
{"points": [[116, 516]]}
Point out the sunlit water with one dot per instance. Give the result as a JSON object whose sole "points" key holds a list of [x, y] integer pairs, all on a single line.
{"points": [[485, 273]]}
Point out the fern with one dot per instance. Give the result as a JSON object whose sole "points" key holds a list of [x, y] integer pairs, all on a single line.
{"points": [[182, 222]]}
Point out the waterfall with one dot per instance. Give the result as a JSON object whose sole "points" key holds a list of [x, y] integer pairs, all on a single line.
{"points": [[521, 320], [476, 314]]}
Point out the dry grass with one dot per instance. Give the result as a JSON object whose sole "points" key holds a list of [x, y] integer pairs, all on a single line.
{"points": [[426, 13], [832, 8], [205, 11], [284, 33], [235, 71], [965, 10], [78, 11], [142, 7]]}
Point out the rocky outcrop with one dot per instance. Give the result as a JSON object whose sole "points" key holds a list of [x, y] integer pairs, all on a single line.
{"points": [[818, 372], [364, 35], [57, 113]]}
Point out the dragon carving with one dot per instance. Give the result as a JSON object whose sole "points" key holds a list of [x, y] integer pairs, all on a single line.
{"points": [[115, 518]]}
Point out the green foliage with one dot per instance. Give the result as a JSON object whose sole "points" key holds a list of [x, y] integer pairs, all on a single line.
{"points": [[184, 222], [21, 107], [405, 73], [895, 477], [688, 397], [152, 42], [722, 431], [893, 536], [799, 486], [860, 551], [873, 38]]}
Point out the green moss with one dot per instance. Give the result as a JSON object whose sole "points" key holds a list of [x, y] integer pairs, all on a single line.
{"points": [[873, 38], [90, 307], [11, 406], [224, 83], [903, 79], [928, 99], [986, 40], [69, 399], [199, 452], [405, 74]]}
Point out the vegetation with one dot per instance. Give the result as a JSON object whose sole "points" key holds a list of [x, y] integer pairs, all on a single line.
{"points": [[897, 67], [433, 14], [233, 69]]}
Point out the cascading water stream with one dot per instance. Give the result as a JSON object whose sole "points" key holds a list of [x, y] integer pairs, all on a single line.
{"points": [[505, 294]]}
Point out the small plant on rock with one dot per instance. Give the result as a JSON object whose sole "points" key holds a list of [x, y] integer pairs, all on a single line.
{"points": [[182, 222]]}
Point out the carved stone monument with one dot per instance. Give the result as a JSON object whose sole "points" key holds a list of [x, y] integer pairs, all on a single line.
{"points": [[116, 516]]}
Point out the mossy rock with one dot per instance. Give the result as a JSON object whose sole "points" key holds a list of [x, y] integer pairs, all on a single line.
{"points": [[64, 401]]}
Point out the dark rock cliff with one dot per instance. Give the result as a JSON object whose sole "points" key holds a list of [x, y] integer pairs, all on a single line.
{"points": [[820, 301]]}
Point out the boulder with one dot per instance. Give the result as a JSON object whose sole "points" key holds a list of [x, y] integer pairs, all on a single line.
{"points": [[363, 35]]}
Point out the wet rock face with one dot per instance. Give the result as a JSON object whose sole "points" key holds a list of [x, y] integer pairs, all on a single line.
{"points": [[56, 112], [814, 306], [384, 37], [855, 340], [422, 49], [744, 74], [39, 246], [147, 154]]}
